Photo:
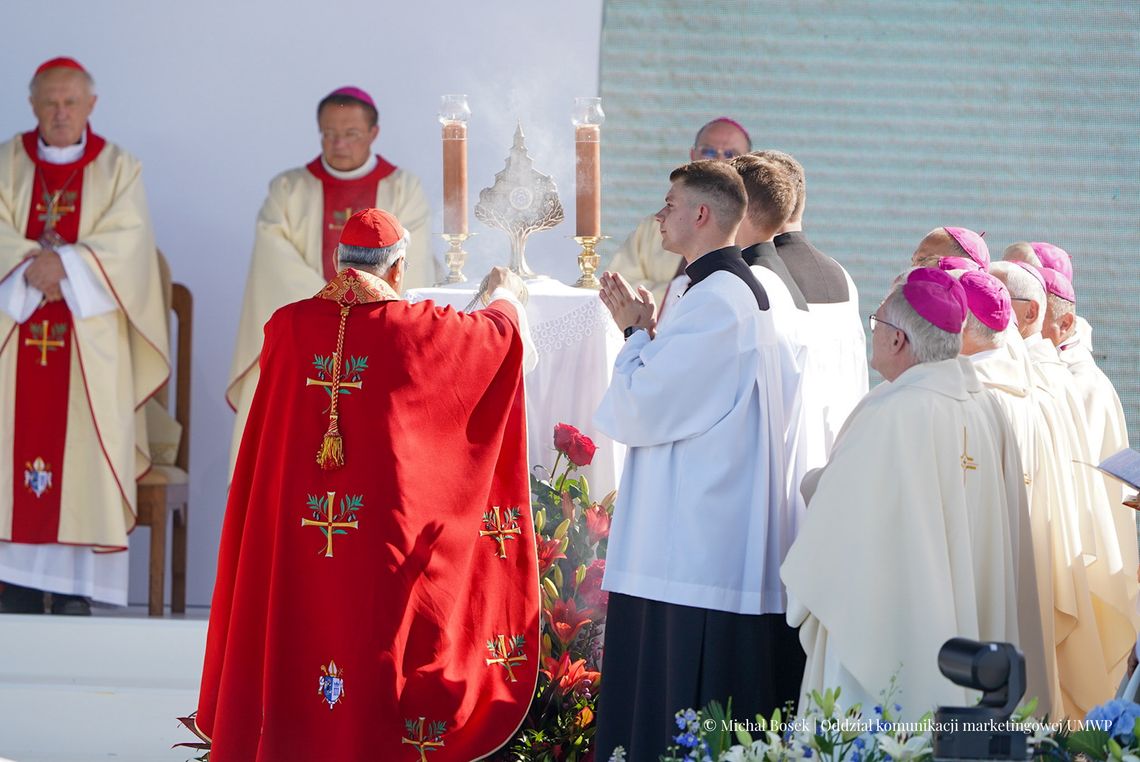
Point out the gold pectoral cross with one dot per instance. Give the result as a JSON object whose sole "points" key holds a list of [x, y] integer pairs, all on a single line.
{"points": [[43, 342], [503, 655], [52, 209], [421, 744], [340, 218], [967, 461], [500, 529], [328, 526]]}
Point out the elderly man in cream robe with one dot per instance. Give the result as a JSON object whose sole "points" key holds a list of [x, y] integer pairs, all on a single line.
{"points": [[294, 251], [1043, 254], [1102, 537], [907, 539], [643, 259], [83, 345]]}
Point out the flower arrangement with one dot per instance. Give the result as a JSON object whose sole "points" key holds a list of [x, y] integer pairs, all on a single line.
{"points": [[827, 732], [572, 533]]}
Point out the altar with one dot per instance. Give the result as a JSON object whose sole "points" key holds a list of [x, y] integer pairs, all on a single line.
{"points": [[576, 341]]}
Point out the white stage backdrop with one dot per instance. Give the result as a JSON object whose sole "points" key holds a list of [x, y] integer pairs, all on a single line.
{"points": [[217, 97]]}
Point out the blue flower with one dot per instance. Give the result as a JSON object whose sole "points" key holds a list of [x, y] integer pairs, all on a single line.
{"points": [[686, 739], [878, 709], [1118, 717], [898, 708], [860, 743], [856, 757], [807, 752]]}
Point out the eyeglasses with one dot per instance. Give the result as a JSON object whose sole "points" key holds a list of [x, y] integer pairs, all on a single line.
{"points": [[874, 320], [1020, 299], [352, 136], [708, 152]]}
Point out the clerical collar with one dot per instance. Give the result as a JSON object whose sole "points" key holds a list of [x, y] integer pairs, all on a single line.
{"points": [[65, 155], [352, 174], [728, 259], [753, 253]]}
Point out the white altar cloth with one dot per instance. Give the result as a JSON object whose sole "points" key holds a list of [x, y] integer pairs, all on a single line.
{"points": [[576, 341]]}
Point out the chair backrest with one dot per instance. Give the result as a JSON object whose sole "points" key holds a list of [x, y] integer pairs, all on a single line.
{"points": [[182, 304]]}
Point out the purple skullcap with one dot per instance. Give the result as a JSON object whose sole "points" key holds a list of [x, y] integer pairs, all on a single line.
{"points": [[937, 297], [1054, 257], [354, 92], [957, 263], [1034, 271], [1058, 285], [734, 123], [988, 298], [972, 244]]}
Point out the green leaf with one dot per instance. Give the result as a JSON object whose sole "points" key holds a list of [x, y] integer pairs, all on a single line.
{"points": [[1089, 742]]}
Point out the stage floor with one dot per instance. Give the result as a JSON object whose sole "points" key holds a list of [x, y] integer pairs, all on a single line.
{"points": [[107, 687]]}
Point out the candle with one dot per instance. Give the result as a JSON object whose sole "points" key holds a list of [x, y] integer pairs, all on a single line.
{"points": [[454, 178], [587, 145]]}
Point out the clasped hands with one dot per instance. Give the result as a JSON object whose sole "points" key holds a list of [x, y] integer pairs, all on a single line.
{"points": [[45, 272], [629, 308]]}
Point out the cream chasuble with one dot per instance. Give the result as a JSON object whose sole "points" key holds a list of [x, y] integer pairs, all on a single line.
{"points": [[643, 261], [906, 543], [119, 360], [1107, 539], [286, 265]]}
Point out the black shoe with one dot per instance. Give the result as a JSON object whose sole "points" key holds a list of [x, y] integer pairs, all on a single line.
{"points": [[70, 605], [21, 600]]}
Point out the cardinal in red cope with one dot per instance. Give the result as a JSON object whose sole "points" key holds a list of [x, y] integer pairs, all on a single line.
{"points": [[377, 587]]}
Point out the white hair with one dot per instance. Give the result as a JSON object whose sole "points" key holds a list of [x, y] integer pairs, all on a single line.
{"points": [[1021, 285], [928, 343], [381, 259], [1058, 308], [81, 72]]}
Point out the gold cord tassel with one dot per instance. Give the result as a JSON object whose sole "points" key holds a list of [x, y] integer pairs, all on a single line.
{"points": [[331, 454]]}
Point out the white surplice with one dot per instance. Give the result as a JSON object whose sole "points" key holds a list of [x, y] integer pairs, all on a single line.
{"points": [[906, 543], [701, 517]]}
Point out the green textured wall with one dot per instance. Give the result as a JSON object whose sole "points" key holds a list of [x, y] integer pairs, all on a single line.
{"points": [[1017, 119]]}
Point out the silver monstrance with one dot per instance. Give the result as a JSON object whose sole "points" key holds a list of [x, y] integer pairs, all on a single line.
{"points": [[520, 202]]}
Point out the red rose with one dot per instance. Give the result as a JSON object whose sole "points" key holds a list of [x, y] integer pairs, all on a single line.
{"points": [[581, 450], [564, 433], [590, 591]]}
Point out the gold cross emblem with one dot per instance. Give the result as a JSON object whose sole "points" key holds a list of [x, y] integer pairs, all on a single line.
{"points": [[328, 526], [340, 218], [52, 210], [501, 527], [416, 738], [336, 383], [967, 461], [43, 342], [507, 655]]}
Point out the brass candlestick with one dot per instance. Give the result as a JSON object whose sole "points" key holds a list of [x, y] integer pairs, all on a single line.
{"points": [[588, 260], [455, 257]]}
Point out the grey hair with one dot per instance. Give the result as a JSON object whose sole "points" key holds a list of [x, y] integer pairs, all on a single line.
{"points": [[928, 343], [82, 72], [976, 328], [1059, 307], [1021, 251], [1021, 285], [381, 259]]}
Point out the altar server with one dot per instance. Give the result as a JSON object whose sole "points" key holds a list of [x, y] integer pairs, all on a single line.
{"points": [[700, 527]]}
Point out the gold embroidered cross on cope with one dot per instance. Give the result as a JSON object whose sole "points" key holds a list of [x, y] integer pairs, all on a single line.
{"points": [[506, 654], [328, 526], [43, 342], [968, 463], [419, 742], [501, 527]]}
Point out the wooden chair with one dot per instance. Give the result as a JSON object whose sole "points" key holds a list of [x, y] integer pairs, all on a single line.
{"points": [[166, 489]]}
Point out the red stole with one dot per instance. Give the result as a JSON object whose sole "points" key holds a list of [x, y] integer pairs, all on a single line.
{"points": [[344, 198], [387, 608], [43, 359]]}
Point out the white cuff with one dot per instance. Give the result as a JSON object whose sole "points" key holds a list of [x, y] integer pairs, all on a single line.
{"points": [[17, 299], [530, 352], [83, 292]]}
